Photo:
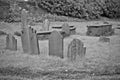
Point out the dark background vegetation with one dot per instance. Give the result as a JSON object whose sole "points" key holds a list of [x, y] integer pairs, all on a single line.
{"points": [[82, 9]]}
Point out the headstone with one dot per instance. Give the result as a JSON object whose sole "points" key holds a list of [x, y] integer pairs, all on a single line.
{"points": [[26, 43], [56, 44], [34, 41], [46, 25], [11, 42], [24, 17], [29, 41], [66, 29], [76, 50]]}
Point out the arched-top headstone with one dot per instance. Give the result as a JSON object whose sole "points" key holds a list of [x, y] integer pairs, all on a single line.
{"points": [[66, 28], [56, 44], [76, 49]]}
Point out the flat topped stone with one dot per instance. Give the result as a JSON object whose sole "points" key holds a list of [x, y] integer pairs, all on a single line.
{"points": [[60, 26], [100, 29], [48, 32], [99, 25]]}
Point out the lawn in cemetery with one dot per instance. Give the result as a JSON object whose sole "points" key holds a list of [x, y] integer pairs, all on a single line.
{"points": [[101, 60]]}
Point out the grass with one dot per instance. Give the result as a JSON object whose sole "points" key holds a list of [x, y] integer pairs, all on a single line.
{"points": [[108, 73], [107, 70]]}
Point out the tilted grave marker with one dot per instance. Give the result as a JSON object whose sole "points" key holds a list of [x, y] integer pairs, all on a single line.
{"points": [[34, 42], [26, 43], [11, 42], [46, 25], [30, 41], [56, 44], [76, 50], [66, 28]]}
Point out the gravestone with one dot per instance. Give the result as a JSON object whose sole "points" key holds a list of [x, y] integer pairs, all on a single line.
{"points": [[29, 41], [66, 29], [26, 43], [11, 42], [34, 42], [28, 37], [56, 44], [46, 25], [76, 50]]}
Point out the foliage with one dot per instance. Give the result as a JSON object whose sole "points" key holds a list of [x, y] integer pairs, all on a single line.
{"points": [[83, 9], [89, 9]]}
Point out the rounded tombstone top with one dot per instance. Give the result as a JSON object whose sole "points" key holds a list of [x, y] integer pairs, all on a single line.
{"points": [[56, 34], [65, 24]]}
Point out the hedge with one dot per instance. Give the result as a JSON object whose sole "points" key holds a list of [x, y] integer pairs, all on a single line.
{"points": [[83, 9]]}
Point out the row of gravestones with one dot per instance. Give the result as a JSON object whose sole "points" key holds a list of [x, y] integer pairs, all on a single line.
{"points": [[30, 42], [30, 45]]}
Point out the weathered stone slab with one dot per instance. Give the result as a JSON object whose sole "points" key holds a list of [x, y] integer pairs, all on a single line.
{"points": [[26, 43], [46, 25], [29, 41], [11, 42], [56, 44], [76, 50], [34, 41], [100, 30], [66, 28]]}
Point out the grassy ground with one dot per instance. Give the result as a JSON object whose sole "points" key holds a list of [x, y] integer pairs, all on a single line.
{"points": [[101, 62]]}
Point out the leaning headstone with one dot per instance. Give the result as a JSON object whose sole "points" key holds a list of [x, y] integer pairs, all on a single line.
{"points": [[11, 42], [76, 50], [56, 44], [46, 25], [26, 43], [34, 42], [66, 29]]}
